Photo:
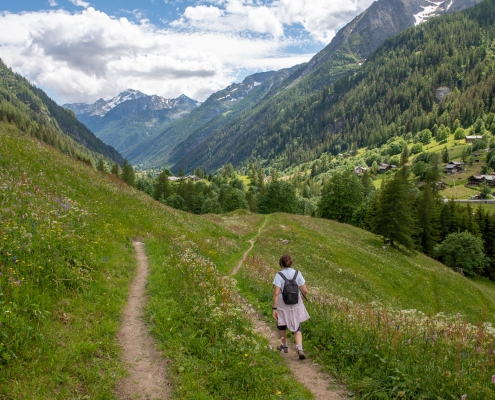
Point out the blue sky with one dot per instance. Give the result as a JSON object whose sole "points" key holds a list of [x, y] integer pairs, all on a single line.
{"points": [[80, 51]]}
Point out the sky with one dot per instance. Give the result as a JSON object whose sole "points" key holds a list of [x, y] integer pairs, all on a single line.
{"points": [[81, 51]]}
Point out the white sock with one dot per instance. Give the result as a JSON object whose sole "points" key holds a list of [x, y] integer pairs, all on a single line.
{"points": [[299, 347]]}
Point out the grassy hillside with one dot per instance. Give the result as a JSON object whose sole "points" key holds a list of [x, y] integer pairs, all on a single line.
{"points": [[66, 260], [340, 260]]}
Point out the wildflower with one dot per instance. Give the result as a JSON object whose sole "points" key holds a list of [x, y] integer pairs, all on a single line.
{"points": [[245, 355], [464, 397], [493, 379], [409, 341]]}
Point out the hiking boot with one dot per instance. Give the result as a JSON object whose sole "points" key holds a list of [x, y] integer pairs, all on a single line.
{"points": [[283, 348], [301, 354]]}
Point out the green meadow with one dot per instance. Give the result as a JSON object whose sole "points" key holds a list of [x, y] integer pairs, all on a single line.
{"points": [[388, 324]]}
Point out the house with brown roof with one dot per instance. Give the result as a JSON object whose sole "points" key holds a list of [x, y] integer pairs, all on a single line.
{"points": [[472, 138], [476, 180], [454, 167]]}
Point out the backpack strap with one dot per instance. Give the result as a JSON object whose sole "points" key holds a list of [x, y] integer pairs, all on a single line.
{"points": [[285, 278], [295, 275]]}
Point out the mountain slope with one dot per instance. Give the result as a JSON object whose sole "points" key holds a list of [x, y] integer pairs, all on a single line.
{"points": [[216, 111], [131, 116], [270, 129], [33, 112]]}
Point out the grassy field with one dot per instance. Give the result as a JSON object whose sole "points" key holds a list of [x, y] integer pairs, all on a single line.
{"points": [[66, 260], [391, 325]]}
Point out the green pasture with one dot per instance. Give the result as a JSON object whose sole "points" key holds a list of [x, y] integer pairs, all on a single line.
{"points": [[66, 260]]}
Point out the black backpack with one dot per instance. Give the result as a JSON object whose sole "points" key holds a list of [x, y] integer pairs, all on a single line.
{"points": [[290, 294]]}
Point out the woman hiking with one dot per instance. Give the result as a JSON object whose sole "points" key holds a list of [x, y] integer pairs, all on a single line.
{"points": [[289, 316]]}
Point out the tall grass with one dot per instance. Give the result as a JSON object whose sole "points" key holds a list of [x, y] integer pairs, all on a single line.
{"points": [[383, 353], [379, 347], [212, 349]]}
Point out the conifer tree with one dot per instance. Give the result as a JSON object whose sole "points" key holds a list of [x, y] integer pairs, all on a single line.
{"points": [[100, 165], [394, 218], [404, 157], [115, 169], [128, 173], [162, 187], [428, 220]]}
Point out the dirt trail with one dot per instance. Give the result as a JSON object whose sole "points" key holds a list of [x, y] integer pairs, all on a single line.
{"points": [[144, 364], [322, 385], [239, 264]]}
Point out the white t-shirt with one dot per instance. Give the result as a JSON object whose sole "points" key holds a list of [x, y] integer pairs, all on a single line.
{"points": [[289, 274]]}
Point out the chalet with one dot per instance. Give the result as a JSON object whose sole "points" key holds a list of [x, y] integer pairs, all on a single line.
{"points": [[476, 180], [472, 138], [360, 170], [454, 167], [194, 178], [385, 167]]}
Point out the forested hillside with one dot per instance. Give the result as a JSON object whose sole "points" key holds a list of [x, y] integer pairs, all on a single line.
{"points": [[399, 90], [33, 112], [185, 134]]}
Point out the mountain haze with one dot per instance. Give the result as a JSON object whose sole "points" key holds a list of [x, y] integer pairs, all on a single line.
{"points": [[216, 111], [131, 116]]}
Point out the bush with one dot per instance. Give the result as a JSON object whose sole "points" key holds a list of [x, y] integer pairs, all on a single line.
{"points": [[463, 251]]}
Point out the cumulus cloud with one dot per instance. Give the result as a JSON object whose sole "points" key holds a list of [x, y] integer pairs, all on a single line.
{"points": [[202, 13], [52, 3], [319, 17], [80, 3], [83, 56]]}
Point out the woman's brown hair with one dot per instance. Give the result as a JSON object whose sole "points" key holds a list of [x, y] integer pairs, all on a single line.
{"points": [[285, 261]]}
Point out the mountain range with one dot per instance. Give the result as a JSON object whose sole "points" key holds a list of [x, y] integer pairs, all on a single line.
{"points": [[234, 142], [131, 116], [33, 112], [181, 133]]}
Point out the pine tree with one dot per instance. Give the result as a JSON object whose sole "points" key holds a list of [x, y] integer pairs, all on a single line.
{"points": [[428, 219], [394, 218], [115, 169], [100, 165], [128, 173], [162, 187]]}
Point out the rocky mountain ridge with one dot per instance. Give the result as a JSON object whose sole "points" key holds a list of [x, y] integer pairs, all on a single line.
{"points": [[348, 50]]}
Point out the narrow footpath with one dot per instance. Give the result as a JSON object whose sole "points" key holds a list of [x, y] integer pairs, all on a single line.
{"points": [[145, 366], [322, 385]]}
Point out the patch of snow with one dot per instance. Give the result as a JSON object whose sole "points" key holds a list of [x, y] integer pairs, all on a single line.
{"points": [[426, 13], [451, 2], [256, 83]]}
